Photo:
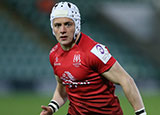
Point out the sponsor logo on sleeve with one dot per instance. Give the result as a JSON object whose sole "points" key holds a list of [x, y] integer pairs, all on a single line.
{"points": [[101, 52]]}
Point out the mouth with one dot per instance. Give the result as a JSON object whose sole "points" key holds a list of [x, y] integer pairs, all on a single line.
{"points": [[63, 37]]}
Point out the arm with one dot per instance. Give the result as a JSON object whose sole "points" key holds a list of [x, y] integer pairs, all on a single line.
{"points": [[118, 75], [60, 97]]}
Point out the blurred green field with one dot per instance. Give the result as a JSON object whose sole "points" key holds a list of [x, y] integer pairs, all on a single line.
{"points": [[29, 104]]}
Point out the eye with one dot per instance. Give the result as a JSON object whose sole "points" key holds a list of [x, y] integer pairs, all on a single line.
{"points": [[68, 24], [57, 25]]}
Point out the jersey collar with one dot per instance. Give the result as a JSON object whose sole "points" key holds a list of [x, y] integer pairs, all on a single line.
{"points": [[79, 39]]}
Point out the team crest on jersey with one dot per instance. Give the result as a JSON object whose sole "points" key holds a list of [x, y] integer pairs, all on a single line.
{"points": [[101, 52], [77, 60]]}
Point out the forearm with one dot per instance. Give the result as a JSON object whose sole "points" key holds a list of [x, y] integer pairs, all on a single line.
{"points": [[60, 95], [119, 76], [59, 98], [132, 93]]}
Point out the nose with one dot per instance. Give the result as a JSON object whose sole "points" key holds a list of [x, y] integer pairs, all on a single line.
{"points": [[63, 29]]}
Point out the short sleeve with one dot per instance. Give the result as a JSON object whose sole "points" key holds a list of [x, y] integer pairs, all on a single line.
{"points": [[100, 59]]}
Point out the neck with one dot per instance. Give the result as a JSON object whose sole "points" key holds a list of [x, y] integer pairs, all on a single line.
{"points": [[68, 47]]}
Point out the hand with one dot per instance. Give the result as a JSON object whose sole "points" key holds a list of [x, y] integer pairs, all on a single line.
{"points": [[46, 110]]}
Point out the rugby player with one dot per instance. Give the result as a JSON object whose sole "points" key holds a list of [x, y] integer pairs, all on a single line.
{"points": [[85, 70]]}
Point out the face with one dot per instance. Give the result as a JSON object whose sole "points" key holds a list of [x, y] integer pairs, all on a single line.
{"points": [[64, 29]]}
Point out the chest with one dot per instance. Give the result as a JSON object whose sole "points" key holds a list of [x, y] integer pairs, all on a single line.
{"points": [[72, 66]]}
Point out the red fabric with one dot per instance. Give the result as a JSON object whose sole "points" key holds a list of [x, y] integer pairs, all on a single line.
{"points": [[45, 5], [79, 69]]}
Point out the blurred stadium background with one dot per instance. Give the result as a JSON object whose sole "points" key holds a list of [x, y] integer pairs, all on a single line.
{"points": [[130, 29]]}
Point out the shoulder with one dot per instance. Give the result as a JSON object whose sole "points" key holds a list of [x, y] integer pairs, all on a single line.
{"points": [[95, 50], [92, 45], [87, 43], [53, 50]]}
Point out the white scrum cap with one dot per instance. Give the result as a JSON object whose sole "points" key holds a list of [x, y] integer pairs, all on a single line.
{"points": [[69, 10]]}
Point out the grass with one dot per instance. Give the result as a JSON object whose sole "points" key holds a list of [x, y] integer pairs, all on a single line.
{"points": [[151, 104], [29, 104]]}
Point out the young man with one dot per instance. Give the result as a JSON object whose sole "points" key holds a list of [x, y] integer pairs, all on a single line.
{"points": [[85, 70]]}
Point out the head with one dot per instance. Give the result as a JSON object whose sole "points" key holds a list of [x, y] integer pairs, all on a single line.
{"points": [[64, 29], [66, 10]]}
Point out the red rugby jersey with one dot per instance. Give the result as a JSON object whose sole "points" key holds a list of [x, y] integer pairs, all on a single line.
{"points": [[79, 69]]}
